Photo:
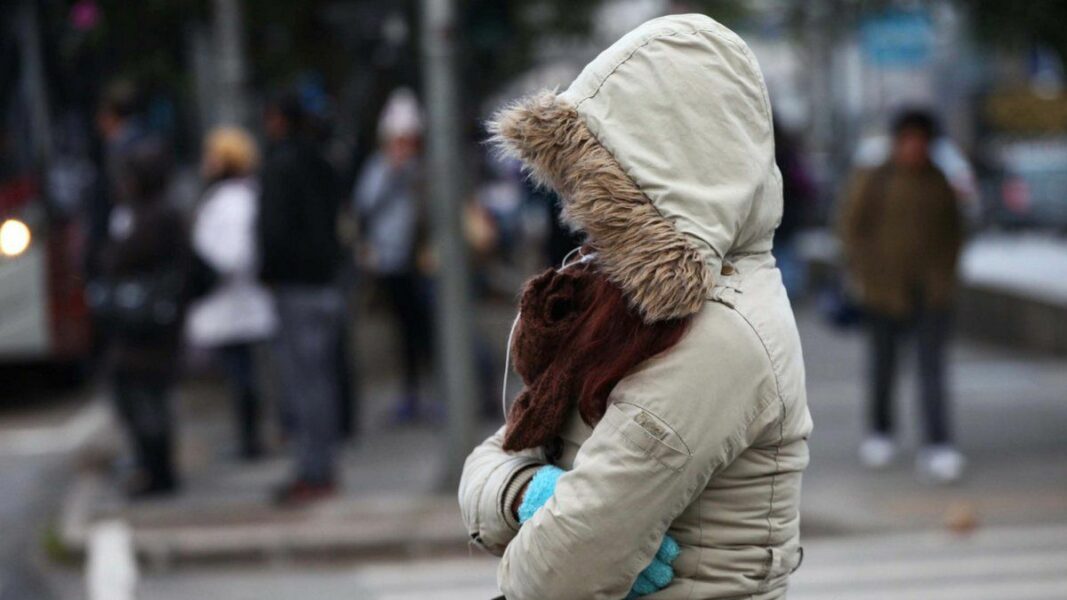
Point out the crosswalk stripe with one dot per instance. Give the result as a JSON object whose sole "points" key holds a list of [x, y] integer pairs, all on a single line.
{"points": [[1017, 563], [485, 592], [1021, 589], [889, 546], [1021, 563], [925, 568]]}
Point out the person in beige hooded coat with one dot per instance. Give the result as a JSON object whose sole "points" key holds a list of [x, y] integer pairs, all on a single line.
{"points": [[663, 152]]}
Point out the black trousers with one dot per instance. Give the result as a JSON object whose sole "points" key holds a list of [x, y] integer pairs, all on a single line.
{"points": [[931, 329], [240, 363], [412, 309], [143, 404], [347, 388]]}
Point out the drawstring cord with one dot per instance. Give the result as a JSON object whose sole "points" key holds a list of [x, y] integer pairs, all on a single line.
{"points": [[507, 366], [566, 258], [583, 258]]}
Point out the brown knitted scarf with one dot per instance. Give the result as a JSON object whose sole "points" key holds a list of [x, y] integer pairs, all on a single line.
{"points": [[576, 338]]}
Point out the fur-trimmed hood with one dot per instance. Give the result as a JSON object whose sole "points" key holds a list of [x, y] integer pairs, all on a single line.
{"points": [[663, 152]]}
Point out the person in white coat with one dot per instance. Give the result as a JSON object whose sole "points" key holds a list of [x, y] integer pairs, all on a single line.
{"points": [[237, 312]]}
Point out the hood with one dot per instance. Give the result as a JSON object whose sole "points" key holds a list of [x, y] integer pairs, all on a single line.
{"points": [[662, 150]]}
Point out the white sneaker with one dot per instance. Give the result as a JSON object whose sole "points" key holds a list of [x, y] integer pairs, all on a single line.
{"points": [[878, 451], [940, 464]]}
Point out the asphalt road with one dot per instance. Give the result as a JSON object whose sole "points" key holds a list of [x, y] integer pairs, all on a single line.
{"points": [[24, 493], [39, 426]]}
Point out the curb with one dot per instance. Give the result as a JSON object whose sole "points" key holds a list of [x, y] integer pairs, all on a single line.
{"points": [[986, 312], [368, 526]]}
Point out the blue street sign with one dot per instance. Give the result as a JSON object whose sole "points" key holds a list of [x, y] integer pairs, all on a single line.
{"points": [[898, 38]]}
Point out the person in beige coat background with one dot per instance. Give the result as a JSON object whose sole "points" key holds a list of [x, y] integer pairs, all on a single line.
{"points": [[663, 152]]}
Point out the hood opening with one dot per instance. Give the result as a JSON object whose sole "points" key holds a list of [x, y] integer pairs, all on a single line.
{"points": [[663, 152], [660, 270]]}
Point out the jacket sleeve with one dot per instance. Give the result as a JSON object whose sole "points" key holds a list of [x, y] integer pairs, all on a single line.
{"points": [[950, 220], [366, 191], [672, 425], [491, 479], [272, 223], [850, 216]]}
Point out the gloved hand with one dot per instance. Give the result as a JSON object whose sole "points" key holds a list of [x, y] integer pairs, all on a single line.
{"points": [[539, 490], [656, 575], [659, 573]]}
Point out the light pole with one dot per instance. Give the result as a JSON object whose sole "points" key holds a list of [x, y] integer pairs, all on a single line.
{"points": [[232, 102], [454, 362], [35, 88]]}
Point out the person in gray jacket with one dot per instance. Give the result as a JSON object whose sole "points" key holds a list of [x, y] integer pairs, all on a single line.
{"points": [[387, 204], [662, 150]]}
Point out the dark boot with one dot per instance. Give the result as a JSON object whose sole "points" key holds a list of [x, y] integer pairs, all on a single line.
{"points": [[157, 476], [250, 448]]}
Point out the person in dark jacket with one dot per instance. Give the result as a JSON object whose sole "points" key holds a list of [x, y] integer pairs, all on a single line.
{"points": [[798, 196], [144, 261], [902, 230], [300, 254], [120, 131]]}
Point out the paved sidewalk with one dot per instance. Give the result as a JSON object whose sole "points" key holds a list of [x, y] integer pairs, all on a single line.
{"points": [[1010, 413], [1031, 264], [393, 499]]}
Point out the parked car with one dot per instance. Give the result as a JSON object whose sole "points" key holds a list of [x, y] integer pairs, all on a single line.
{"points": [[1029, 186]]}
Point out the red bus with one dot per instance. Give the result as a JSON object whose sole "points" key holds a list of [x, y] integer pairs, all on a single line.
{"points": [[43, 315]]}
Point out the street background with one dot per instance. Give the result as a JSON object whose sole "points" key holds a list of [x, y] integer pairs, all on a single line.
{"points": [[992, 72]]}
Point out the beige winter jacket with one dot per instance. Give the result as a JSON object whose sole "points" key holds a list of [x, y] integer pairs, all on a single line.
{"points": [[663, 152]]}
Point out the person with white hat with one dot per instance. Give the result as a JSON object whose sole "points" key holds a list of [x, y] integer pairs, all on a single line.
{"points": [[386, 202]]}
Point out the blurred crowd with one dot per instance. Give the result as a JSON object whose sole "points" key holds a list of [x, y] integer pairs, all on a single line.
{"points": [[294, 219], [262, 270]]}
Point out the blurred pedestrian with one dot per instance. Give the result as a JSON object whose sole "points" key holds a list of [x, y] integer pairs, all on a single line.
{"points": [[798, 196], [300, 257], [387, 204], [561, 239], [902, 230], [237, 312], [120, 128], [144, 265]]}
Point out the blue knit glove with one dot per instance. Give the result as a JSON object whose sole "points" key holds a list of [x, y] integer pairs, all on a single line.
{"points": [[659, 573], [656, 575], [539, 490]]}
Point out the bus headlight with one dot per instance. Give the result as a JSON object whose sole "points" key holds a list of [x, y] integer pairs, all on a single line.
{"points": [[14, 237]]}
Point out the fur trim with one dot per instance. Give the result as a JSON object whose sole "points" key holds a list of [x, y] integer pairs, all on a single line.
{"points": [[659, 268]]}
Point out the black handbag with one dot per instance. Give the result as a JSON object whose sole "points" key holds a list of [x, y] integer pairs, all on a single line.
{"points": [[139, 306], [839, 307]]}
